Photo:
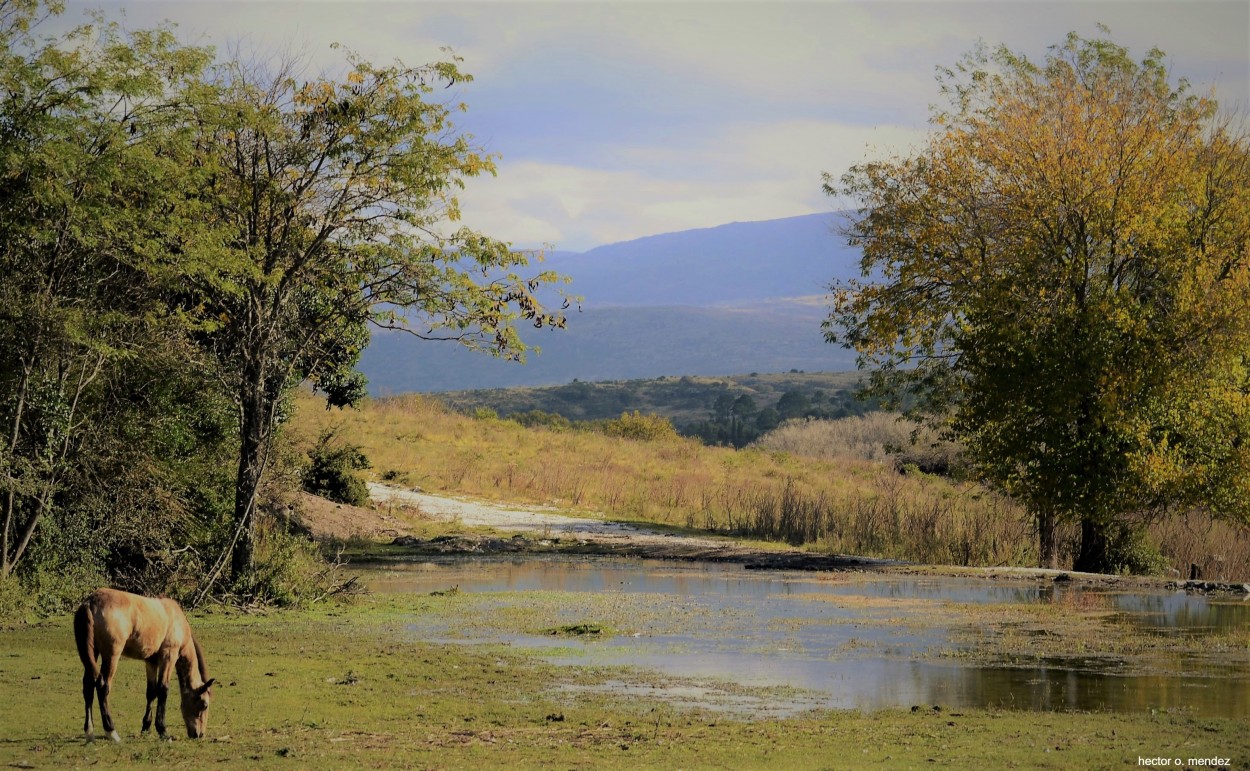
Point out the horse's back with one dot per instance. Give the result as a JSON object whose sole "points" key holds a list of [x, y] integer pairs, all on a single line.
{"points": [[140, 625]]}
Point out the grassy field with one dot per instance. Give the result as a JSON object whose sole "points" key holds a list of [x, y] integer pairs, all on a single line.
{"points": [[842, 504], [350, 686]]}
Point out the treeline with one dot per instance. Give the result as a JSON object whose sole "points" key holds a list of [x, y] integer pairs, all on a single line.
{"points": [[732, 421], [730, 411], [183, 240], [739, 421]]}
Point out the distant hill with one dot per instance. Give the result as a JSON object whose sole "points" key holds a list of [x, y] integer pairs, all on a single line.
{"points": [[681, 399], [743, 297], [735, 263]]}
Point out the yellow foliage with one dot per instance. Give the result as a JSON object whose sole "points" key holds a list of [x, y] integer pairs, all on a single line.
{"points": [[1063, 263]]}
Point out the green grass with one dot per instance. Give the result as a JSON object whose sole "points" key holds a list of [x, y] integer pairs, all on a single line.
{"points": [[340, 687]]}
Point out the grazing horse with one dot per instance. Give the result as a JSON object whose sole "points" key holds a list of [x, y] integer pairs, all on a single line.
{"points": [[110, 624]]}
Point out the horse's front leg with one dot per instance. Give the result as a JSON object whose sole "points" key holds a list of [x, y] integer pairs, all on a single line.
{"points": [[152, 694], [104, 684], [158, 682]]}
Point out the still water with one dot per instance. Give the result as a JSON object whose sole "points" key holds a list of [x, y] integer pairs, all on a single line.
{"points": [[831, 640]]}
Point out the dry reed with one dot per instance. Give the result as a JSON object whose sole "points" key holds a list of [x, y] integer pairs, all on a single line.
{"points": [[842, 504]]}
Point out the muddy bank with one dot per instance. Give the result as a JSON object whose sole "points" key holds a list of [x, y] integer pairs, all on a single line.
{"points": [[677, 548], [539, 530]]}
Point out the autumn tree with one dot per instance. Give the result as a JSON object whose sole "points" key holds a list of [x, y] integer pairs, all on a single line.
{"points": [[337, 200], [1060, 276]]}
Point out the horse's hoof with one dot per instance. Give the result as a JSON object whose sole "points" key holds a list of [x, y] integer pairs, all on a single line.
{"points": [[90, 736], [167, 738], [117, 739]]}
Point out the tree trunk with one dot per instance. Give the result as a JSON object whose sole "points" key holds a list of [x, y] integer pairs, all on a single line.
{"points": [[1048, 555], [246, 483], [252, 435], [1096, 542]]}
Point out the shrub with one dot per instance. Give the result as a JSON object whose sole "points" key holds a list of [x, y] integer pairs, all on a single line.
{"points": [[290, 571], [1132, 553], [635, 425], [540, 419], [15, 600], [330, 473]]}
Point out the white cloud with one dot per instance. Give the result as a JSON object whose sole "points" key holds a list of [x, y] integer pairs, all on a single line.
{"points": [[618, 120], [744, 173]]}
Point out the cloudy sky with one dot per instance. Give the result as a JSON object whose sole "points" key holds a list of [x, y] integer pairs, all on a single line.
{"points": [[618, 120]]}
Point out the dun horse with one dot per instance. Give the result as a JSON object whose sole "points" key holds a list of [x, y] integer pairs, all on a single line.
{"points": [[110, 624]]}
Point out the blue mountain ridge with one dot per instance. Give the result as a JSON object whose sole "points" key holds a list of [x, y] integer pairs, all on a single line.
{"points": [[738, 262], [738, 298]]}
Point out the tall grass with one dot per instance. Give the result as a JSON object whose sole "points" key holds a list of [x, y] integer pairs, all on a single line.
{"points": [[853, 501], [1221, 550], [938, 524], [880, 436]]}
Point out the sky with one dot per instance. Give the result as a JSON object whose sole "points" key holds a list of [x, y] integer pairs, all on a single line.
{"points": [[617, 120]]}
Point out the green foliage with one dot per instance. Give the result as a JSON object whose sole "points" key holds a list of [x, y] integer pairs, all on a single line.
{"points": [[1133, 554], [635, 425], [330, 473], [1063, 284], [15, 599], [177, 235], [109, 428]]}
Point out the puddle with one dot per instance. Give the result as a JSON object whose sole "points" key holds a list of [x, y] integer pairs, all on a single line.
{"points": [[843, 640]]}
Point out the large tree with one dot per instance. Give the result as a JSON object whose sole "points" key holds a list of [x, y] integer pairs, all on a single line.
{"points": [[336, 197], [1060, 275]]}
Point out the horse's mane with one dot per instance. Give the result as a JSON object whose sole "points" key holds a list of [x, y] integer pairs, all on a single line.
{"points": [[199, 657]]}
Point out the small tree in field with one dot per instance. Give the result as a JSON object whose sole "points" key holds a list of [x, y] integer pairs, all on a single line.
{"points": [[1062, 277], [333, 195]]}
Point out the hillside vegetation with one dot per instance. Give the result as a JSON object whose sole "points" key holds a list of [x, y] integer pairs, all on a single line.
{"points": [[733, 410], [842, 503]]}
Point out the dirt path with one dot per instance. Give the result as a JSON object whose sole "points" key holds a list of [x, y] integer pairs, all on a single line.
{"points": [[601, 536], [531, 521]]}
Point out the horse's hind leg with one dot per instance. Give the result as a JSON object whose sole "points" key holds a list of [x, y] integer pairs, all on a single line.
{"points": [[108, 667], [88, 696]]}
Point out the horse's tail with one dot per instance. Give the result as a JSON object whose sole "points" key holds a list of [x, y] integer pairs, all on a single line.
{"points": [[84, 635]]}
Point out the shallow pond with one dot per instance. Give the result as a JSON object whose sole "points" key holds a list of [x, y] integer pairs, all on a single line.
{"points": [[839, 640]]}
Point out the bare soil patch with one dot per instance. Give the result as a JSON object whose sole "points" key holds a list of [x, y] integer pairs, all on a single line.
{"points": [[325, 519]]}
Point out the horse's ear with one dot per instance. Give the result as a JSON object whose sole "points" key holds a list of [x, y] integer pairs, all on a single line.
{"points": [[203, 688]]}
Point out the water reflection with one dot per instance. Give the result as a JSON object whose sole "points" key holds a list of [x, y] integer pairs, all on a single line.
{"points": [[781, 629]]}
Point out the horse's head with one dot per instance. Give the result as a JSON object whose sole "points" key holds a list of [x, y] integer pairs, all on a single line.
{"points": [[195, 708]]}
